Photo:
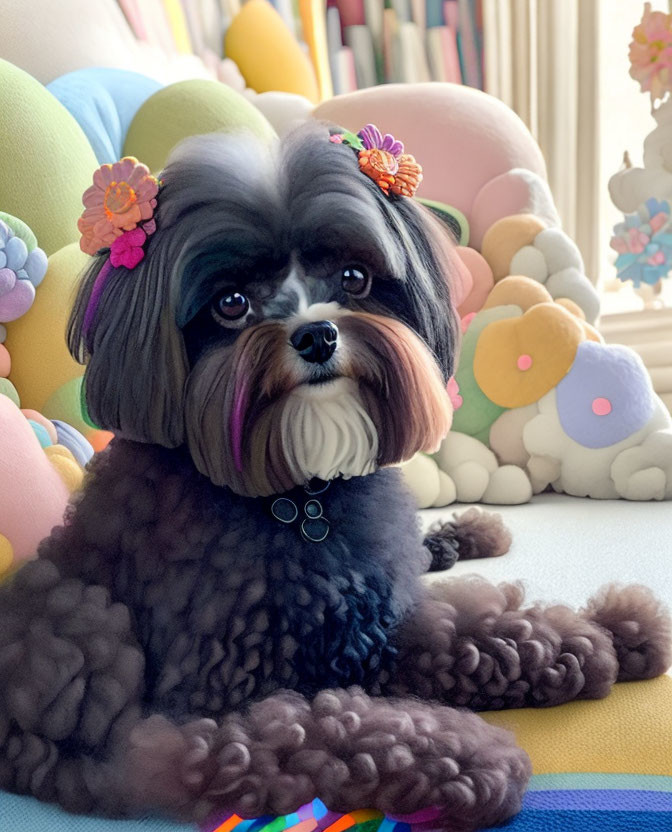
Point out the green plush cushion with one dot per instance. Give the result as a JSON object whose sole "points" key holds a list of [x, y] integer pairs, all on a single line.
{"points": [[46, 162], [477, 412], [188, 108]]}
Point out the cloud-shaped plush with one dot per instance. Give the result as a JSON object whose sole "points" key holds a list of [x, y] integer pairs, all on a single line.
{"points": [[522, 245], [603, 432], [22, 268]]}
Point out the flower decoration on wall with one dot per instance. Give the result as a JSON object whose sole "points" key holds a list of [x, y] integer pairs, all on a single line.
{"points": [[651, 53], [644, 244], [22, 267], [122, 197]]}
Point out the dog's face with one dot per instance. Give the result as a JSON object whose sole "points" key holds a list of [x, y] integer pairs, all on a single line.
{"points": [[289, 319]]}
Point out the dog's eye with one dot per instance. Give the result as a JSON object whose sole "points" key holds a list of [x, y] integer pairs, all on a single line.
{"points": [[230, 306], [356, 281]]}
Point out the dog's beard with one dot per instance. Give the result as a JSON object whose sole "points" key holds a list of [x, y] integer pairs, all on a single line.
{"points": [[326, 432], [260, 422]]}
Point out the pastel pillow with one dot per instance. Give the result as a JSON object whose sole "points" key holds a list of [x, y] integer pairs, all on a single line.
{"points": [[481, 281], [41, 363], [477, 411], [519, 360], [46, 162], [188, 108], [104, 102], [605, 397], [34, 495], [521, 291], [258, 30], [48, 39], [601, 472], [522, 245], [464, 139], [505, 238]]}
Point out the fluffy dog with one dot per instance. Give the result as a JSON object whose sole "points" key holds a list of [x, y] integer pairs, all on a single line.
{"points": [[231, 617]]}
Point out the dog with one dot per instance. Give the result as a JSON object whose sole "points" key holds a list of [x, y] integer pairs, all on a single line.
{"points": [[231, 617]]}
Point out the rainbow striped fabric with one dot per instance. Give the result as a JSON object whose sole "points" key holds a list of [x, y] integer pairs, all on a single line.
{"points": [[553, 803]]}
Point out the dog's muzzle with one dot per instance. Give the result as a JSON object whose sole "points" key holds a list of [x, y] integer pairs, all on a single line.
{"points": [[315, 342]]}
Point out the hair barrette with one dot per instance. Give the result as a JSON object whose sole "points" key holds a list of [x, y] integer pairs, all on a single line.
{"points": [[382, 158], [119, 215]]}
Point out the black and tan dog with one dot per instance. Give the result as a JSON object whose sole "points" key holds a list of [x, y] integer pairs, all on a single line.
{"points": [[232, 616]]}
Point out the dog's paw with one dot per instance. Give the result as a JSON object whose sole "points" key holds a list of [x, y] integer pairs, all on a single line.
{"points": [[405, 757], [170, 766], [640, 627]]}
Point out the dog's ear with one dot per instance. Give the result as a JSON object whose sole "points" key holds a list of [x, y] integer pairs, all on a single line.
{"points": [[134, 351], [431, 269]]}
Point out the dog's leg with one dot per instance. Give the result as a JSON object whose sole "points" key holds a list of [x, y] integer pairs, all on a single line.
{"points": [[350, 750], [469, 643], [72, 731], [472, 534], [71, 678]]}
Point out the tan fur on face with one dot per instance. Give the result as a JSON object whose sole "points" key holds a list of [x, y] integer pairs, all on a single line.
{"points": [[259, 363], [255, 425], [400, 383]]}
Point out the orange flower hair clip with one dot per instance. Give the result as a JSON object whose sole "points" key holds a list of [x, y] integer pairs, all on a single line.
{"points": [[122, 197], [382, 158], [119, 215]]}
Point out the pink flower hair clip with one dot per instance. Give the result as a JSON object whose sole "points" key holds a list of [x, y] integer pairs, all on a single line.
{"points": [[119, 215], [382, 158]]}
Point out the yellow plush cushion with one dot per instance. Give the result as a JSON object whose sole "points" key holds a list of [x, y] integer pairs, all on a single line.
{"points": [[629, 732], [315, 34], [507, 236], [47, 161], [518, 360], [189, 108], [6, 556], [267, 53], [572, 307], [520, 291], [64, 462], [41, 363]]}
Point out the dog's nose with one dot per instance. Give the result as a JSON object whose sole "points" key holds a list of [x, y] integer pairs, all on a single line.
{"points": [[315, 342]]}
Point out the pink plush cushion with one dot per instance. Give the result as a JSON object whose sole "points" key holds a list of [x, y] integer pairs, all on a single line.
{"points": [[462, 137], [33, 496]]}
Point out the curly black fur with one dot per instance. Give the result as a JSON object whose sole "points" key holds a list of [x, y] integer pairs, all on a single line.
{"points": [[474, 534], [174, 647], [164, 595]]}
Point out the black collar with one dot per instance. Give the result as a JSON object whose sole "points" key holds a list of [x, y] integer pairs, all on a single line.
{"points": [[303, 506]]}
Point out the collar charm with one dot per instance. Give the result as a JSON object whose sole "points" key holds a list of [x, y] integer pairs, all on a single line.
{"points": [[314, 526]]}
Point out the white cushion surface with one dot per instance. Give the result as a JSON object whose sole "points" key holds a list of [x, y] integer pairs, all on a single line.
{"points": [[565, 548]]}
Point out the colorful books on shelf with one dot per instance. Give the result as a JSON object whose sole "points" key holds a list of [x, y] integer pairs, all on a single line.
{"points": [[407, 40], [352, 43]]}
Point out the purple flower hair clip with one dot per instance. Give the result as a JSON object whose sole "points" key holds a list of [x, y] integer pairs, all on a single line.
{"points": [[382, 158]]}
